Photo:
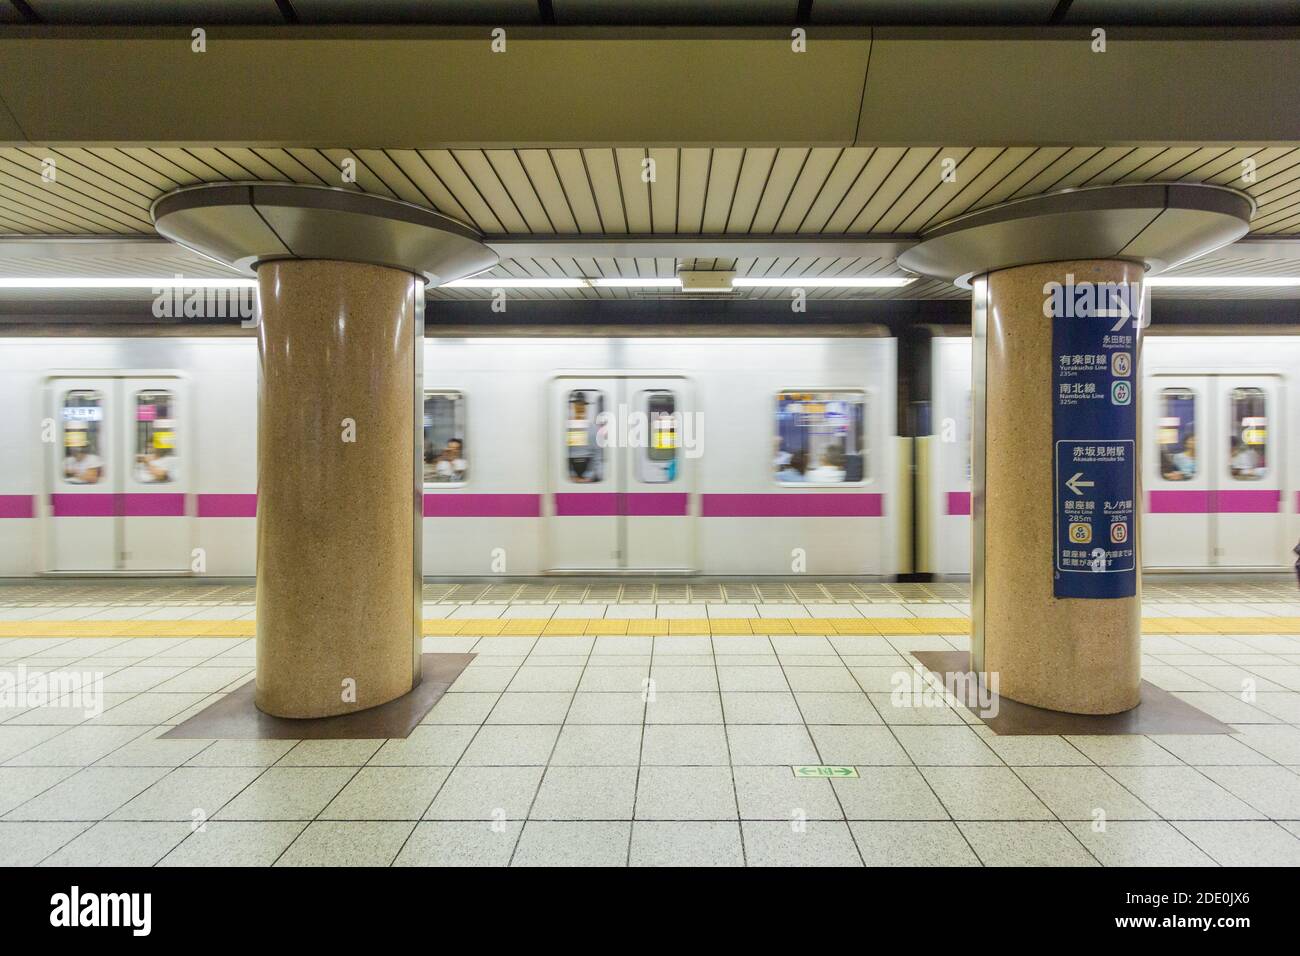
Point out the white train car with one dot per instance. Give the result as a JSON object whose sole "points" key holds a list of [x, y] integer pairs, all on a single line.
{"points": [[1220, 463], [750, 455]]}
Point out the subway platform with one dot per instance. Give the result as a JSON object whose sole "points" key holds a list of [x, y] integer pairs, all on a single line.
{"points": [[613, 722]]}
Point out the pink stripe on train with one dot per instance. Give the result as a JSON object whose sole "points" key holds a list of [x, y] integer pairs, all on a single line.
{"points": [[836, 505], [457, 505], [107, 504], [227, 506], [1245, 501], [17, 506], [589, 505], [91, 504], [958, 503]]}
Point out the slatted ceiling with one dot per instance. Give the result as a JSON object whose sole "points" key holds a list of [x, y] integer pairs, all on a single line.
{"points": [[252, 165], [447, 167], [913, 164], [1193, 163], [1279, 187], [783, 168], [841, 176], [1268, 162], [720, 188], [909, 195], [1167, 165], [692, 182], [930, 192], [751, 181], [761, 190], [1276, 220], [488, 186], [633, 192], [1205, 163], [1130, 168], [416, 168], [376, 163], [1275, 215], [164, 168], [1139, 166], [291, 168], [130, 193], [575, 188], [983, 173], [840, 210], [603, 176], [813, 172], [663, 190], [1287, 226], [72, 163], [58, 203], [1281, 192]]}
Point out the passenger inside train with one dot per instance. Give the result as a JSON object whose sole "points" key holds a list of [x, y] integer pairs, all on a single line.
{"points": [[585, 453], [444, 448], [820, 438], [1181, 464], [81, 467], [154, 467]]}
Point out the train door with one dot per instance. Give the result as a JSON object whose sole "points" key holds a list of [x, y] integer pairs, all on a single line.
{"points": [[84, 472], [619, 480], [117, 483], [1249, 531], [155, 530], [659, 446], [1213, 477], [584, 528]]}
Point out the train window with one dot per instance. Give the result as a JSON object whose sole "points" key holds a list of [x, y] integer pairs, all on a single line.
{"points": [[1248, 438], [584, 450], [155, 437], [1176, 434], [659, 463], [820, 437], [445, 458], [83, 418]]}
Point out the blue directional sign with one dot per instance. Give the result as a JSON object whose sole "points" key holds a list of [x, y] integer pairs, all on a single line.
{"points": [[1094, 440]]}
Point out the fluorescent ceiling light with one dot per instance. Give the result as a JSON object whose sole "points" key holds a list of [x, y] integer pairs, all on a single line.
{"points": [[137, 282], [668, 282], [1223, 281], [513, 283], [821, 282]]}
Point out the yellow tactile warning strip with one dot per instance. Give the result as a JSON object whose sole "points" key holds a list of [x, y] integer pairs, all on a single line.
{"points": [[604, 627]]}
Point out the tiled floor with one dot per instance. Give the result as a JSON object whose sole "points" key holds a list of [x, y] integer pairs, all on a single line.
{"points": [[644, 750]]}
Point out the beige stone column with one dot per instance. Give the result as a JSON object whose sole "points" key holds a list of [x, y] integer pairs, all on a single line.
{"points": [[338, 579], [1066, 654]]}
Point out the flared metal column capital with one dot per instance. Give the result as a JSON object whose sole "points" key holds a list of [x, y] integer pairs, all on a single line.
{"points": [[1159, 225], [246, 224]]}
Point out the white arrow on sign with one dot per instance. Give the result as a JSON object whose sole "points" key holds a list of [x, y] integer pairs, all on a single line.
{"points": [[1074, 484]]}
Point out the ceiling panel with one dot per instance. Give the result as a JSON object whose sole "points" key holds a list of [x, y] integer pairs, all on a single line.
{"points": [[607, 191], [1166, 13], [933, 11], [731, 12], [417, 11], [756, 192], [157, 11]]}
